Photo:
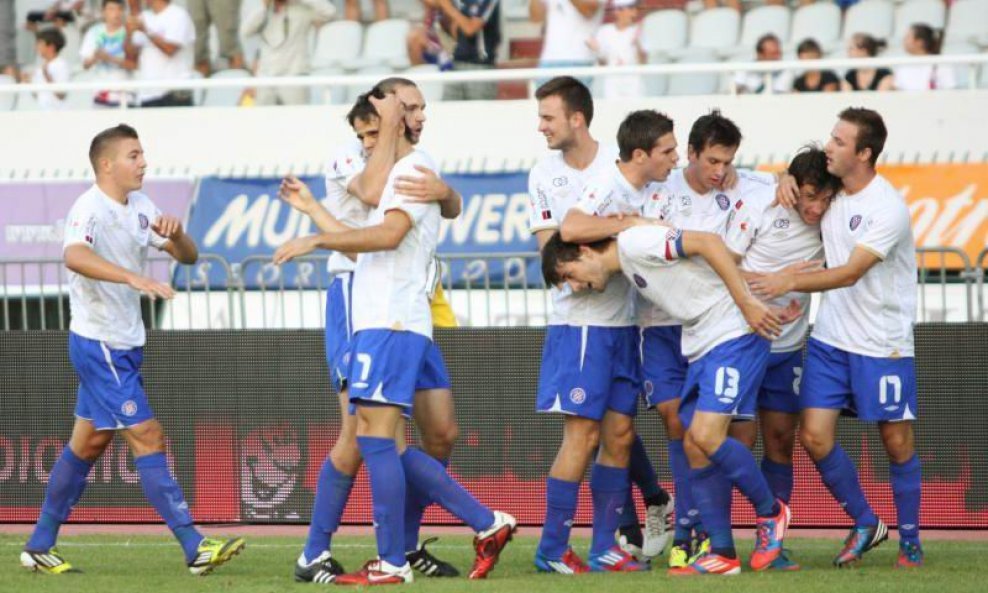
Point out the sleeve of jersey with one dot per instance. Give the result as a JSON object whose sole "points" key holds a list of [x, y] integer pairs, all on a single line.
{"points": [[345, 166], [653, 244], [883, 231], [540, 213], [593, 201], [81, 226], [415, 210]]}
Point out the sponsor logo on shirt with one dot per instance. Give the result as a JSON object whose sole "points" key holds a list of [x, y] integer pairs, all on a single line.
{"points": [[685, 201], [577, 395], [723, 201], [855, 222], [781, 223], [560, 181], [640, 281], [143, 220]]}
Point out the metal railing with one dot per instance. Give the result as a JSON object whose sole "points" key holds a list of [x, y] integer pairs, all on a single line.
{"points": [[483, 289]]}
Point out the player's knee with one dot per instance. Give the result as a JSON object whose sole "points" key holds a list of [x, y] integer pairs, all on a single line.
{"points": [[439, 442], [705, 438], [898, 444], [778, 445], [618, 436], [670, 418], [345, 455], [817, 443], [581, 434]]}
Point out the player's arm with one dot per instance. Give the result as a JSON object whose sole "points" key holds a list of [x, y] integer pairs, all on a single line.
{"points": [[369, 184], [580, 227], [381, 237], [178, 243], [82, 260], [587, 8], [798, 279], [711, 248], [536, 13], [298, 195], [543, 236], [429, 187]]}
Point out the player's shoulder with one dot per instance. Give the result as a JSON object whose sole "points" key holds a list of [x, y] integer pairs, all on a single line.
{"points": [[548, 164], [755, 197], [346, 158]]}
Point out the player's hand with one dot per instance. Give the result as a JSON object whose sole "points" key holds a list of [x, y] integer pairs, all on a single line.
{"points": [[789, 313], [427, 187], [802, 267], [593, 45], [389, 109], [762, 320], [150, 288], [730, 178], [295, 248], [770, 286], [168, 227], [786, 192], [297, 194]]}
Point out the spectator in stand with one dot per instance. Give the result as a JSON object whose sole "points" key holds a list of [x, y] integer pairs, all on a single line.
{"points": [[285, 29], [225, 16], [768, 49], [103, 50], [866, 79], [617, 44], [569, 24], [59, 13], [922, 40], [51, 68], [431, 42], [814, 81], [477, 24], [160, 40], [8, 39], [351, 10], [735, 4]]}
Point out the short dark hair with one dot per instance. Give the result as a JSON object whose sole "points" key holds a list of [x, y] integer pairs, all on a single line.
{"points": [[641, 129], [870, 45], [556, 251], [102, 141], [51, 36], [390, 84], [809, 45], [575, 95], [760, 44], [363, 109], [713, 129], [871, 130], [928, 37], [809, 167], [105, 2]]}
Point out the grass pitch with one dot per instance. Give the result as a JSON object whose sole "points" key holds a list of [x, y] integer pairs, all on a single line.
{"points": [[153, 564]]}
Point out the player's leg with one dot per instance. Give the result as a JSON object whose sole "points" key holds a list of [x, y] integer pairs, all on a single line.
{"points": [[907, 485], [778, 414], [658, 508]]}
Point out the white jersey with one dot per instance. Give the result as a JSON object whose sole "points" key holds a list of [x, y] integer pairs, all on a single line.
{"points": [[875, 316], [391, 288], [119, 233], [652, 259], [685, 209], [770, 238], [554, 187], [348, 162]]}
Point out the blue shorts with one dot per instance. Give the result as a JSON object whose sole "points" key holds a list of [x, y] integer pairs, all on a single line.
{"points": [[726, 379], [873, 389], [111, 390], [780, 387], [339, 328], [663, 363], [587, 370], [387, 367]]}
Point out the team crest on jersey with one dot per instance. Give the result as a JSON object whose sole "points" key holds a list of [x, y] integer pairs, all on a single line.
{"points": [[781, 223], [723, 201], [143, 220], [685, 201], [855, 222], [129, 408], [639, 281], [560, 181], [577, 395]]}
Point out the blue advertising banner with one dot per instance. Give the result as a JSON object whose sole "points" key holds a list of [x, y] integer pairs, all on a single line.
{"points": [[244, 221]]}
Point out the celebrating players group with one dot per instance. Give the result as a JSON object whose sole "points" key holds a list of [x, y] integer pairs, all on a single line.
{"points": [[688, 287]]}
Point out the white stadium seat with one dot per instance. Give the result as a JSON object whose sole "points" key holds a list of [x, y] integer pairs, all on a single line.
{"points": [[432, 91], [715, 28], [930, 12], [664, 30], [820, 21], [874, 17], [695, 83], [968, 22], [337, 43], [335, 95], [384, 44], [7, 100], [228, 96], [762, 20]]}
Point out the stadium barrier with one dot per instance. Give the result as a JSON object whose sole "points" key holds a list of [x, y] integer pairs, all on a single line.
{"points": [[250, 415]]}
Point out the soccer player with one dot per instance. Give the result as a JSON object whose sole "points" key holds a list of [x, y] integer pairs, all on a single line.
{"points": [[588, 364], [107, 234], [350, 174], [392, 350], [727, 362], [768, 237], [860, 353]]}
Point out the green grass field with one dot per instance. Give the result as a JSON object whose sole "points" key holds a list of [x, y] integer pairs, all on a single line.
{"points": [[153, 564]]}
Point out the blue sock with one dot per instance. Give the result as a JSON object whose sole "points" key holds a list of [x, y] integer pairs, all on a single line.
{"points": [[560, 508], [66, 483], [415, 504], [332, 493], [165, 495], [629, 514], [841, 478], [609, 487], [686, 510], [387, 480], [738, 464], [712, 493], [779, 478], [641, 472], [907, 486], [430, 478]]}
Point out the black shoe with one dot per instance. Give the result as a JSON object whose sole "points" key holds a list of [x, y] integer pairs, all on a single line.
{"points": [[322, 570], [630, 539], [423, 561]]}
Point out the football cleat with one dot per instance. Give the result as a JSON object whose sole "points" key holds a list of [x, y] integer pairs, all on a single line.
{"points": [[709, 564], [784, 562], [769, 535], [214, 552], [615, 560], [910, 555], [658, 519], [701, 547], [570, 563], [679, 556], [322, 570], [630, 539], [859, 541], [423, 561], [377, 572], [490, 542], [50, 562]]}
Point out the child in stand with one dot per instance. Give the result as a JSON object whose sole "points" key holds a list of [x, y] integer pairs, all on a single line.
{"points": [[617, 44]]}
